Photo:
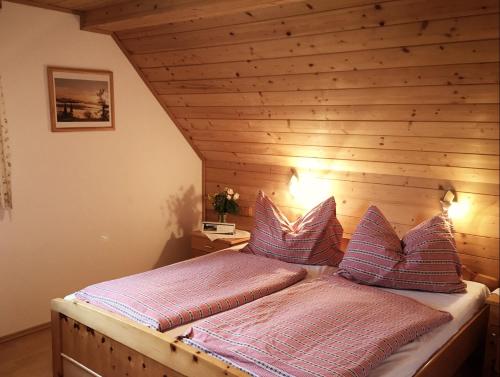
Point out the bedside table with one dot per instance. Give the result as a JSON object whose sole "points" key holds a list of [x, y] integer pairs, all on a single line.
{"points": [[492, 351], [201, 245]]}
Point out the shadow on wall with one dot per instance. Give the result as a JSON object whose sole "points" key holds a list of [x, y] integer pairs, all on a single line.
{"points": [[5, 214], [183, 214]]}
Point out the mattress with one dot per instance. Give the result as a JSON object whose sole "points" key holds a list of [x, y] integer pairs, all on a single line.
{"points": [[409, 358]]}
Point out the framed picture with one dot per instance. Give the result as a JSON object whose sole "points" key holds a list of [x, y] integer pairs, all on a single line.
{"points": [[80, 99]]}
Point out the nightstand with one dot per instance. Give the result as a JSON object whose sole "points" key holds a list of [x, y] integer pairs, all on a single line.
{"points": [[492, 351], [201, 245]]}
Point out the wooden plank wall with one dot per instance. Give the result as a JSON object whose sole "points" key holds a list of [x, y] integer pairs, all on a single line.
{"points": [[378, 102]]}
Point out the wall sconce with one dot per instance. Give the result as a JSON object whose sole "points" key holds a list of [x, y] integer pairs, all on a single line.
{"points": [[451, 207]]}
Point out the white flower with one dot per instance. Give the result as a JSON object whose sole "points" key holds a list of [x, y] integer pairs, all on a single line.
{"points": [[236, 196], [228, 197], [230, 191]]}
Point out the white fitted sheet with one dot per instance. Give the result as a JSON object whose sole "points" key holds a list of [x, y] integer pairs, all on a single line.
{"points": [[409, 358]]}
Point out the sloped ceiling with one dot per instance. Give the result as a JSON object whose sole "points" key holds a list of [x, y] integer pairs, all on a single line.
{"points": [[378, 102]]}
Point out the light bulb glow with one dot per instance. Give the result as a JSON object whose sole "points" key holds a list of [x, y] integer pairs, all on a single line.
{"points": [[458, 209], [294, 186], [308, 191]]}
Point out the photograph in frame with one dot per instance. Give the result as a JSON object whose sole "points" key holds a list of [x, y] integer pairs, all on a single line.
{"points": [[80, 99]]}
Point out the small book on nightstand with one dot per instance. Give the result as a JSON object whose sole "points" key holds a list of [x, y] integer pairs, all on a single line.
{"points": [[210, 227]]}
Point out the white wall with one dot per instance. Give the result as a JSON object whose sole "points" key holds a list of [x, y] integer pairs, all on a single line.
{"points": [[88, 206]]}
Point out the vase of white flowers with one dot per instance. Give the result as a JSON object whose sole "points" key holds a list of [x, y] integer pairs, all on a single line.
{"points": [[224, 202]]}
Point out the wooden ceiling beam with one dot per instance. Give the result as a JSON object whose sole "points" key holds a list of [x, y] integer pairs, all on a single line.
{"points": [[134, 14], [43, 5]]}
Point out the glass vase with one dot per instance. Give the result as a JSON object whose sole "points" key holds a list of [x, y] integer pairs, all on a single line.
{"points": [[222, 217]]}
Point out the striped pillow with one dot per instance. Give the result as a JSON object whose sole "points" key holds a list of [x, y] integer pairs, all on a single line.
{"points": [[426, 259], [313, 239]]}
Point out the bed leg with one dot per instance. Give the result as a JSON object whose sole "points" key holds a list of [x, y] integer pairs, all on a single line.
{"points": [[57, 370]]}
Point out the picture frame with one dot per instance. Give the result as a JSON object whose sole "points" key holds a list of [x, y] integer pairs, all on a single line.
{"points": [[80, 99]]}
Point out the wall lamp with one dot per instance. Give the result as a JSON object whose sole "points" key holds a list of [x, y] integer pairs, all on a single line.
{"points": [[452, 207]]}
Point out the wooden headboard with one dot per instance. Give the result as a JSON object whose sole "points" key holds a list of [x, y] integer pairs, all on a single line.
{"points": [[490, 281]]}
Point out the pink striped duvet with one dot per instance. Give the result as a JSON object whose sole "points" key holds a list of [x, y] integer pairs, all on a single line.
{"points": [[184, 292], [322, 328]]}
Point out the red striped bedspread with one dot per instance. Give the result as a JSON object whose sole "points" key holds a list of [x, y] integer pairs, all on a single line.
{"points": [[323, 328], [171, 296]]}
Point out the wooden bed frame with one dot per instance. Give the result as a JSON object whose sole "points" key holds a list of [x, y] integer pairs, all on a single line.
{"points": [[88, 341]]}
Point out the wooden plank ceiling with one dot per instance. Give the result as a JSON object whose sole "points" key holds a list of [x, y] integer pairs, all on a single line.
{"points": [[377, 102]]}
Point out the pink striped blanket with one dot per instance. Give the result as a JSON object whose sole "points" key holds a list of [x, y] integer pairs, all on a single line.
{"points": [[194, 289], [323, 328]]}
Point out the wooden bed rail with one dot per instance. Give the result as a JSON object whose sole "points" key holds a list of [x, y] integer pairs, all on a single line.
{"points": [[79, 329]]}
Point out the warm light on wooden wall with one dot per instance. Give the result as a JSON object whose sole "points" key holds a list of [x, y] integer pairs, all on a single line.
{"points": [[308, 190], [458, 209], [452, 207]]}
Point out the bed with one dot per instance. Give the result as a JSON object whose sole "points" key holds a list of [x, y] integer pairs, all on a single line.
{"points": [[89, 341]]}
